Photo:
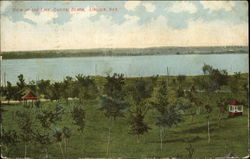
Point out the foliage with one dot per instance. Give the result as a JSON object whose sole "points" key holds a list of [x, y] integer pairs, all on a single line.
{"points": [[113, 108], [85, 87], [50, 116], [55, 91], [139, 93], [21, 86], [169, 117], [181, 79], [112, 102], [26, 124], [44, 88], [9, 91], [78, 115], [235, 83], [8, 138], [137, 125], [214, 78], [114, 86], [151, 101]]}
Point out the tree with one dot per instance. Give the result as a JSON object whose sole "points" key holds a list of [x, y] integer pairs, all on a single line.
{"points": [[47, 118], [8, 138], [137, 125], [67, 88], [235, 83], [78, 116], [44, 88], [207, 69], [58, 134], [20, 85], [9, 91], [181, 79], [66, 135], [222, 107], [26, 126], [193, 100], [213, 79], [167, 118], [113, 103], [32, 86], [86, 88], [139, 94], [208, 111], [168, 114], [55, 91]]}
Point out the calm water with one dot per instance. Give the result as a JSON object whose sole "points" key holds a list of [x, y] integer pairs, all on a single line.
{"points": [[57, 68]]}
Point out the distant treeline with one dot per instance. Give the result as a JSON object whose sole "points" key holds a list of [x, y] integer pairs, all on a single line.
{"points": [[123, 52], [81, 87]]}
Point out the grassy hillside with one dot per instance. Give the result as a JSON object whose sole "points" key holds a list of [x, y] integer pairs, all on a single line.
{"points": [[229, 136]]}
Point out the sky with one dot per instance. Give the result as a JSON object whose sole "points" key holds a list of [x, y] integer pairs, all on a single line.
{"points": [[44, 25]]}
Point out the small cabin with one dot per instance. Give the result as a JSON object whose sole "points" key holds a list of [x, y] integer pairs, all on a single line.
{"points": [[235, 108], [29, 97]]}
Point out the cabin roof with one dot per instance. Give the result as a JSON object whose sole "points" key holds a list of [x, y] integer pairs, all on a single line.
{"points": [[234, 102], [29, 95]]}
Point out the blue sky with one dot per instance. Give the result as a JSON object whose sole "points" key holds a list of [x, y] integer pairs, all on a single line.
{"points": [[164, 22]]}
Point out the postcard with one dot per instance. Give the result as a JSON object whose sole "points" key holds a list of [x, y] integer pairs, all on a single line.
{"points": [[124, 79]]}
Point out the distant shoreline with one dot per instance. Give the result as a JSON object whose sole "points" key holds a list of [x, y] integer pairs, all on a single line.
{"points": [[125, 52]]}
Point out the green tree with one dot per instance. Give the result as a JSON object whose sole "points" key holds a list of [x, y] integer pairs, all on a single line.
{"points": [[67, 88], [113, 103], [168, 114], [32, 86], [44, 88], [9, 139], [78, 116], [86, 88], [21, 86], [181, 79], [208, 112], [139, 94], [9, 91], [191, 96], [58, 136], [213, 79], [48, 117], [167, 118], [55, 91], [26, 125], [234, 84], [222, 104], [66, 135]]}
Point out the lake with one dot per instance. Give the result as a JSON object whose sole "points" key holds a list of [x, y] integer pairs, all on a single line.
{"points": [[131, 66]]}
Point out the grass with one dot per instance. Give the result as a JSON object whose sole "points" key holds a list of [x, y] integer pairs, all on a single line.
{"points": [[230, 136]]}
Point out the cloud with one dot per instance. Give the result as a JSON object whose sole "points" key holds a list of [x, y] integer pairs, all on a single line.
{"points": [[132, 5], [131, 18], [178, 7], [79, 15], [149, 7], [105, 33], [218, 5], [42, 18]]}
